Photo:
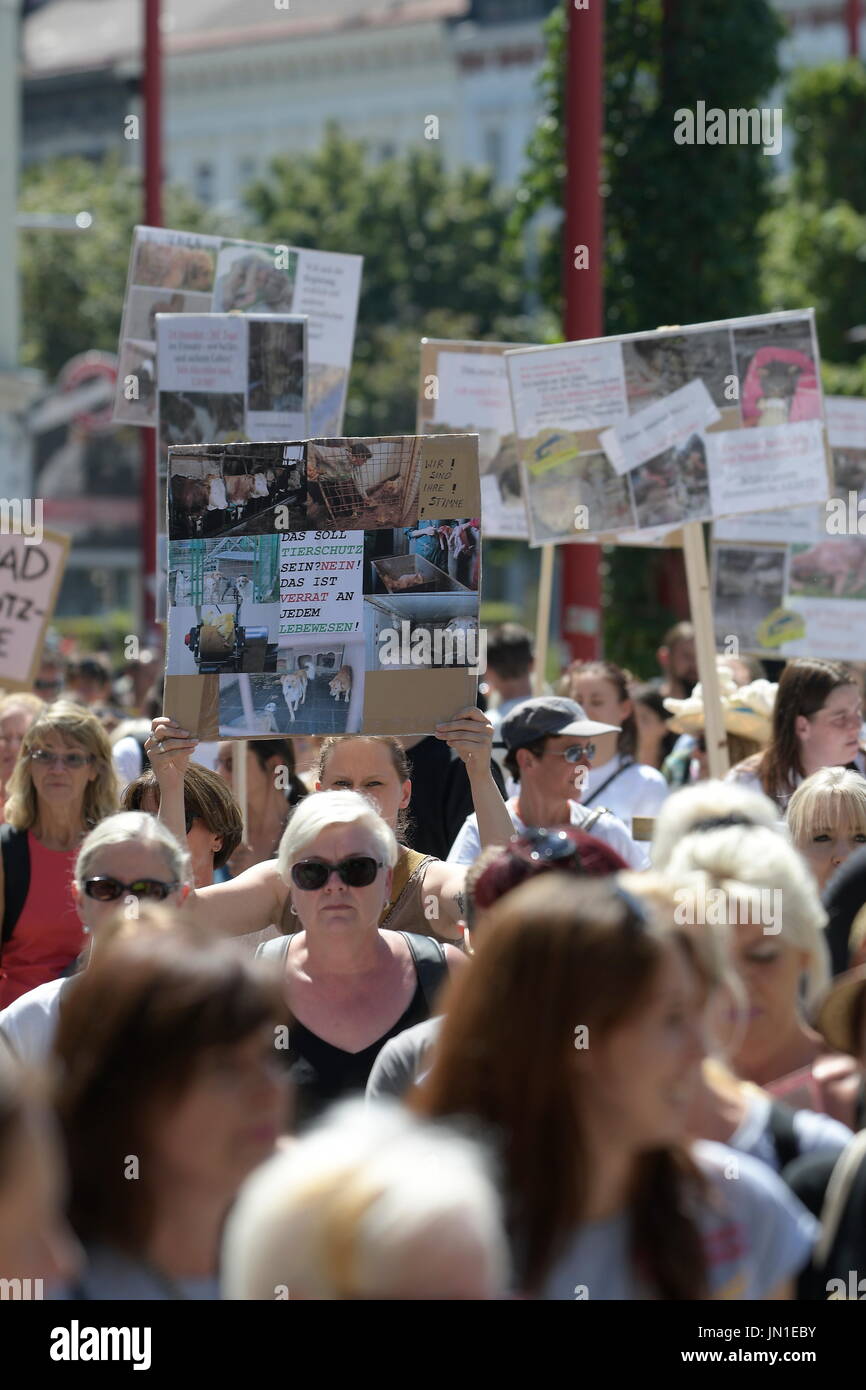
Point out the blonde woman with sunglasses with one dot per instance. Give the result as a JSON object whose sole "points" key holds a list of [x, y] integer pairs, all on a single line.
{"points": [[62, 785]]}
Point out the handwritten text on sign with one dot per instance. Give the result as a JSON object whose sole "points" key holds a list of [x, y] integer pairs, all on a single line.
{"points": [[28, 575], [320, 582]]}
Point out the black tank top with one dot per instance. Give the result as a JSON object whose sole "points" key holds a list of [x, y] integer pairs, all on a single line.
{"points": [[322, 1073]]}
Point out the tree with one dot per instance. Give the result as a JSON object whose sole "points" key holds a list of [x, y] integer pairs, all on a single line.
{"points": [[73, 284], [439, 259], [681, 244], [816, 235]]}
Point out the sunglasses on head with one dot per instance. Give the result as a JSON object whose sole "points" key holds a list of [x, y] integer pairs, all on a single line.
{"points": [[542, 846], [107, 890], [358, 871]]}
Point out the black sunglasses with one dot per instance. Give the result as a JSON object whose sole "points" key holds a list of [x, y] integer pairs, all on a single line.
{"points": [[358, 871], [107, 890]]}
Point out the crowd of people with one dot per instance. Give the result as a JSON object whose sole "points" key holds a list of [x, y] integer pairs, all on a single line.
{"points": [[371, 1038]]}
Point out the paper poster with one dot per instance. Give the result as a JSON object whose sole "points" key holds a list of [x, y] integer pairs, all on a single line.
{"points": [[654, 430], [793, 582], [310, 585], [660, 426], [172, 272], [31, 571], [464, 386]]}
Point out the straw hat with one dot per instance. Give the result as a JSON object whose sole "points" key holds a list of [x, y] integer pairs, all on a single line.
{"points": [[836, 1016], [747, 709]]}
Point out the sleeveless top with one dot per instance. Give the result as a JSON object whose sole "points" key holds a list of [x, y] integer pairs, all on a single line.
{"points": [[405, 910], [48, 934], [322, 1073]]}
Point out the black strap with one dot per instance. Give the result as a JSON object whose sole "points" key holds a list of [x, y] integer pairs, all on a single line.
{"points": [[431, 965], [783, 1133], [627, 762], [16, 876]]}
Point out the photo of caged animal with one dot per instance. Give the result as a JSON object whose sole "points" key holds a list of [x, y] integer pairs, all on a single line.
{"points": [[340, 685]]}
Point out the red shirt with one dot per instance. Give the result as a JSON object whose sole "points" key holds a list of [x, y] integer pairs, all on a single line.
{"points": [[48, 935]]}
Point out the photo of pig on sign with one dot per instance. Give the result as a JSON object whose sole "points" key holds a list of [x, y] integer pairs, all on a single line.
{"points": [[323, 586], [652, 430], [793, 582]]}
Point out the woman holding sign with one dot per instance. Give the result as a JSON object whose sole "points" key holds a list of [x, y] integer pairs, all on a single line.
{"points": [[426, 894]]}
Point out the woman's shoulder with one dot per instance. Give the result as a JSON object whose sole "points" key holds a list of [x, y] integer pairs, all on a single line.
{"points": [[749, 770], [756, 1234]]}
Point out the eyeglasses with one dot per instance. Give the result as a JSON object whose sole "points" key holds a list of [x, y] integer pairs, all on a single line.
{"points": [[107, 890], [69, 760], [575, 752], [541, 846], [358, 871], [11, 738]]}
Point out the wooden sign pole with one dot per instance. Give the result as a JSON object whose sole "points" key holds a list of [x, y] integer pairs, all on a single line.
{"points": [[542, 617], [697, 579]]}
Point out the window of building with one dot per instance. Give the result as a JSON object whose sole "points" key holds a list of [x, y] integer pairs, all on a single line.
{"points": [[204, 181]]}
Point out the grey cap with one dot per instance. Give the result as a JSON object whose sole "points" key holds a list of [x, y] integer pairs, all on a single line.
{"points": [[548, 715]]}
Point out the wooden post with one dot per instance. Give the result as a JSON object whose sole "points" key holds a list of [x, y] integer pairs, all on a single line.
{"points": [[542, 617], [700, 604], [239, 778]]}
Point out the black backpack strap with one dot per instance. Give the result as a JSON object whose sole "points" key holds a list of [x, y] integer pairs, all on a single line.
{"points": [[16, 875], [431, 965], [783, 1133], [627, 763]]}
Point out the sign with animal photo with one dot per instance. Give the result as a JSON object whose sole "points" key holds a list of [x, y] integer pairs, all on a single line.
{"points": [[173, 272], [311, 591], [793, 582], [622, 437]]}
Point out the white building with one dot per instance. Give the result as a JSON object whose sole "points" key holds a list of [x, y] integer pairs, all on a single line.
{"points": [[245, 80]]}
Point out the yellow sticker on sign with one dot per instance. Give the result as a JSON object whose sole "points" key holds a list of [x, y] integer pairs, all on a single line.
{"points": [[782, 625], [550, 449]]}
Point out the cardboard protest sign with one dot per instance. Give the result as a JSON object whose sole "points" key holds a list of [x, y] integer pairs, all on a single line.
{"points": [[323, 586], [30, 578], [173, 272], [464, 386], [655, 430], [793, 582]]}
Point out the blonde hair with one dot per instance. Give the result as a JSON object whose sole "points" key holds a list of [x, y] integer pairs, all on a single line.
{"points": [[707, 801], [743, 860], [73, 724], [824, 800], [22, 699], [359, 1203]]}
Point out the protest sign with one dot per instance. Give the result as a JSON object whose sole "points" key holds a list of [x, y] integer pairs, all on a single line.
{"points": [[793, 582], [464, 386], [656, 430], [173, 272], [323, 586], [30, 578]]}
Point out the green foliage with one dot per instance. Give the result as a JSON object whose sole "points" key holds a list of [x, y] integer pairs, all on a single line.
{"points": [[439, 259], [680, 243], [73, 283], [827, 108]]}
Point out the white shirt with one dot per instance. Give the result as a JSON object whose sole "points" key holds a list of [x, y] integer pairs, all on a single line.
{"points": [[813, 1131], [467, 846], [637, 791], [29, 1023]]}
